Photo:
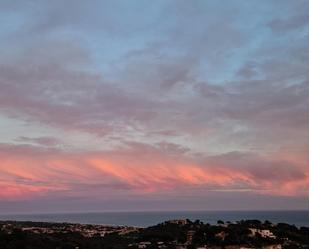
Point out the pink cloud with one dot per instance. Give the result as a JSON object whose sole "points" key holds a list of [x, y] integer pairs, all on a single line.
{"points": [[142, 170]]}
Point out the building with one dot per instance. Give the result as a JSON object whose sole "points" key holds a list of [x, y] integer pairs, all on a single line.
{"points": [[178, 222], [265, 233], [279, 246], [144, 244], [190, 235], [221, 235], [181, 246]]}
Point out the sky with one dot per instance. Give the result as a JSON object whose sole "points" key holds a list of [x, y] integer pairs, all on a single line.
{"points": [[153, 105]]}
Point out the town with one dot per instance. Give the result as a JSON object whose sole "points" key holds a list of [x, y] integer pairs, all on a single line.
{"points": [[173, 234], [86, 230]]}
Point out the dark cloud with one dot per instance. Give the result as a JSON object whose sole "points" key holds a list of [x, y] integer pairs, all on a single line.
{"points": [[296, 17]]}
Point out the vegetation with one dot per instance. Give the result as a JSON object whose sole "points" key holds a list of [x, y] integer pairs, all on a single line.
{"points": [[168, 235]]}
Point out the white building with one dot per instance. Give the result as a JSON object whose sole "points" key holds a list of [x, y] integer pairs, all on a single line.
{"points": [[265, 233]]}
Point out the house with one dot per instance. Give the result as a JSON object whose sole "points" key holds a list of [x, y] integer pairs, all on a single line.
{"points": [[265, 233], [278, 246], [232, 247], [144, 244], [178, 222], [221, 235], [181, 246], [190, 235]]}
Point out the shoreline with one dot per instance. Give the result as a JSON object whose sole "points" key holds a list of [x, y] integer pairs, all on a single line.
{"points": [[145, 219], [174, 234]]}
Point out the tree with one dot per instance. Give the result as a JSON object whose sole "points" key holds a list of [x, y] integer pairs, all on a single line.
{"points": [[220, 222]]}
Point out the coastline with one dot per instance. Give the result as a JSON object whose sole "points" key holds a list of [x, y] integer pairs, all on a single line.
{"points": [[175, 234], [148, 218]]}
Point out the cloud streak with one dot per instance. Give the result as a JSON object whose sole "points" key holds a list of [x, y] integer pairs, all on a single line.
{"points": [[30, 171], [132, 99]]}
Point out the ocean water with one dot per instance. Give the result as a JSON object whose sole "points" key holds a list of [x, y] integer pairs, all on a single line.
{"points": [[144, 219]]}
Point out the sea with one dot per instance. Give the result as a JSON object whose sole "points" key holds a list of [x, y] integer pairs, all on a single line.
{"points": [[145, 219]]}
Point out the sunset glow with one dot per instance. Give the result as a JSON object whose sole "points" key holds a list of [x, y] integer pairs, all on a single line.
{"points": [[143, 105]]}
